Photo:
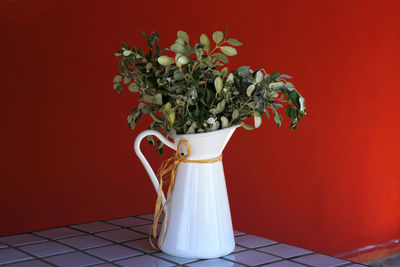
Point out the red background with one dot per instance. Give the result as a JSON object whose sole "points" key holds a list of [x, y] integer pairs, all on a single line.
{"points": [[330, 186]]}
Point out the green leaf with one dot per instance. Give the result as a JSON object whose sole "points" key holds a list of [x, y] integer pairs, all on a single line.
{"points": [[259, 76], [243, 70], [218, 36], [278, 119], [127, 52], [149, 66], [257, 121], [178, 75], [160, 146], [294, 98], [276, 85], [285, 76], [209, 97], [275, 75], [125, 46], [181, 59], [205, 42], [224, 72], [288, 110], [183, 35], [246, 126], [155, 117], [220, 107], [158, 99], [250, 90], [150, 139], [234, 42], [165, 60], [177, 48], [117, 78], [180, 41], [196, 75], [228, 50], [121, 65], [131, 122], [197, 116], [266, 113], [221, 57], [302, 106], [144, 35], [218, 83], [235, 114], [133, 87], [127, 80], [224, 121], [231, 78]]}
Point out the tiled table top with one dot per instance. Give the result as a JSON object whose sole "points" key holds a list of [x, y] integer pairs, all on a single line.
{"points": [[124, 242]]}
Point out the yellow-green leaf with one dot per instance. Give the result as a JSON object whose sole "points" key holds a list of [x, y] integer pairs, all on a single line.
{"points": [[158, 99], [133, 87], [177, 48], [234, 42], [171, 117], [180, 41], [224, 121], [183, 35], [221, 57], [231, 78], [218, 84], [218, 37], [205, 42], [117, 78], [235, 114], [228, 50], [165, 60]]}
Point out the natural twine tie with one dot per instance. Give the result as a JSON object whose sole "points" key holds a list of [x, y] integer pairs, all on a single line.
{"points": [[165, 168]]}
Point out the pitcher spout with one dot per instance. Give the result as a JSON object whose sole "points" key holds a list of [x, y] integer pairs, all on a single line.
{"points": [[206, 145]]}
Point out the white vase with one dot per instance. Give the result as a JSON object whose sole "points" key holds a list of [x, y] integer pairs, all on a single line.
{"points": [[199, 219]]}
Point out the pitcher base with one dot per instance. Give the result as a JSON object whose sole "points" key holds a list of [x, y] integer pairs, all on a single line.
{"points": [[198, 254]]}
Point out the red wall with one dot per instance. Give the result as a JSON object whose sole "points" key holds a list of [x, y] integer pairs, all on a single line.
{"points": [[331, 186]]}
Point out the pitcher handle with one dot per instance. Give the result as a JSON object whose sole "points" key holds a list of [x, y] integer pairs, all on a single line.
{"points": [[144, 161]]}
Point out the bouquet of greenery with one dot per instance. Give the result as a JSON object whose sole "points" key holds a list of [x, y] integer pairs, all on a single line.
{"points": [[192, 92]]}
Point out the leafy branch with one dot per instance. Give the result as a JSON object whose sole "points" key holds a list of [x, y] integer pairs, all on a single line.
{"points": [[186, 88]]}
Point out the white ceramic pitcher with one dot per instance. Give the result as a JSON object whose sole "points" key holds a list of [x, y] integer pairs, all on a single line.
{"points": [[199, 219]]}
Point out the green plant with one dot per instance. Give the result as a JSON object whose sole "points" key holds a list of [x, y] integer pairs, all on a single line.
{"points": [[193, 92]]}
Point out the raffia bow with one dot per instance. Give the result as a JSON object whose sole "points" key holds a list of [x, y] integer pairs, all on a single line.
{"points": [[167, 166]]}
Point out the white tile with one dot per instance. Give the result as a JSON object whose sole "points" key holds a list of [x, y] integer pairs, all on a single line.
{"points": [[121, 235], [46, 249], [95, 227], [21, 239], [74, 259], [145, 260], [284, 251], [252, 257], [320, 260], [10, 255], [59, 232], [252, 241]]}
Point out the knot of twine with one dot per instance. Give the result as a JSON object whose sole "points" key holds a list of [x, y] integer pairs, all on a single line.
{"points": [[165, 168]]}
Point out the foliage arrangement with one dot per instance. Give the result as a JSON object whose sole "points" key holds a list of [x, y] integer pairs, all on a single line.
{"points": [[192, 91]]}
